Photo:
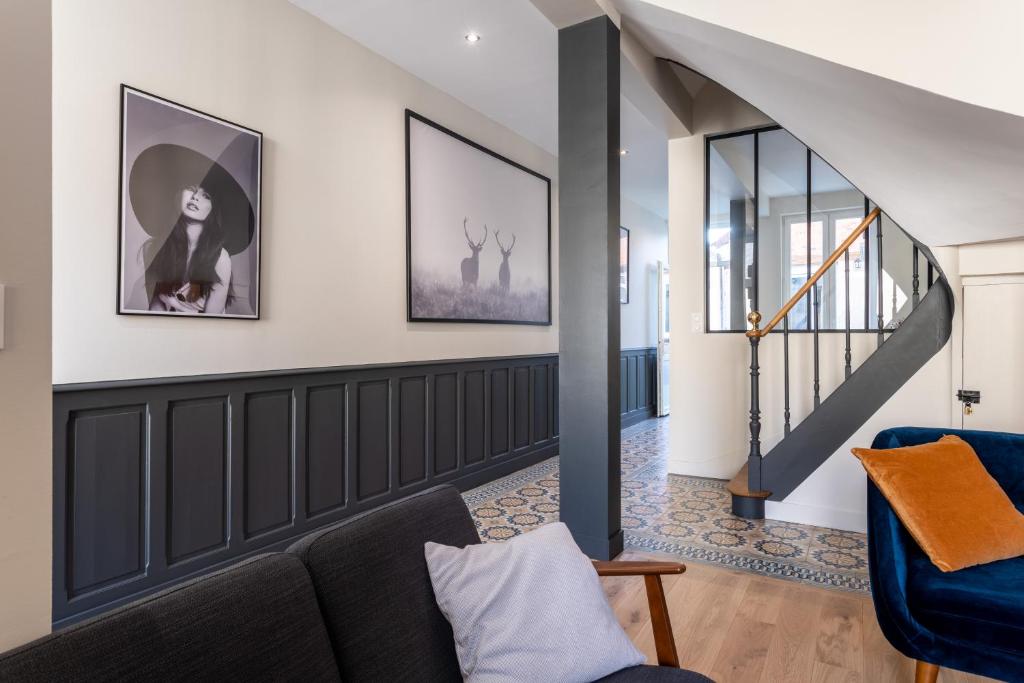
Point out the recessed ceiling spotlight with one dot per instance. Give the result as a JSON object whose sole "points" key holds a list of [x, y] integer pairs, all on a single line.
{"points": [[623, 152], [472, 38]]}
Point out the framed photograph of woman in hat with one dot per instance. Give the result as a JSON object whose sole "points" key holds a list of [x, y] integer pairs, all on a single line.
{"points": [[190, 212]]}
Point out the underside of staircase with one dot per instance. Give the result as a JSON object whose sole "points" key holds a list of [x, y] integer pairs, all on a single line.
{"points": [[901, 353]]}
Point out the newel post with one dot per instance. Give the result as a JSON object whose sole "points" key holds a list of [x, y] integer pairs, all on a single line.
{"points": [[754, 458]]}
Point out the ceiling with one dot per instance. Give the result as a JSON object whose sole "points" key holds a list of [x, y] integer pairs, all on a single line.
{"points": [[644, 171], [510, 75], [947, 171]]}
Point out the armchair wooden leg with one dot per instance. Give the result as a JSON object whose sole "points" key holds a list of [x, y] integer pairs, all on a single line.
{"points": [[925, 672], [664, 642]]}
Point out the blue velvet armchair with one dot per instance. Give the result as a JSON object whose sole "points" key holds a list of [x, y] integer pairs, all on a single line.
{"points": [[972, 619]]}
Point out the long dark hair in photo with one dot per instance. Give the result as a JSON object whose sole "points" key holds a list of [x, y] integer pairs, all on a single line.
{"points": [[170, 268]]}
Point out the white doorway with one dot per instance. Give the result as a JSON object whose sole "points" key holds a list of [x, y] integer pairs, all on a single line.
{"points": [[664, 349], [992, 360]]}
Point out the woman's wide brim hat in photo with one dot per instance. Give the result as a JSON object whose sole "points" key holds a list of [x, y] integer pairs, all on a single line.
{"points": [[162, 171]]}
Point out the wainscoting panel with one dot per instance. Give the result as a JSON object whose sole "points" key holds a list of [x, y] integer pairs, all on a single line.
{"points": [[540, 399], [325, 449], [522, 407], [475, 443], [500, 417], [412, 430], [268, 462], [638, 379], [157, 481], [197, 477], [106, 473], [446, 423]]}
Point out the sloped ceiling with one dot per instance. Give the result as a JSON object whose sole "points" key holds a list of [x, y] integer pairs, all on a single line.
{"points": [[968, 51], [947, 171]]}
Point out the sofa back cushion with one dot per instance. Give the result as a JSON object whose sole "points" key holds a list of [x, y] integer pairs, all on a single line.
{"points": [[256, 621], [371, 579]]}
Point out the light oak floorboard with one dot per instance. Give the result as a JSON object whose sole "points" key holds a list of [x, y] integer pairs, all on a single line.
{"points": [[744, 651], [840, 639], [790, 655], [740, 627]]}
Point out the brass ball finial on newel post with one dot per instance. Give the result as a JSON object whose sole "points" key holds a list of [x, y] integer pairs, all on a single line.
{"points": [[754, 458]]}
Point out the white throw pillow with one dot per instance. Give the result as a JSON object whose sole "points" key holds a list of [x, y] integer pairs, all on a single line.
{"points": [[530, 609]]}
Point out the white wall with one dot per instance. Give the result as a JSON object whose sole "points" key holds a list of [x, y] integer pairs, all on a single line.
{"points": [[710, 372], [991, 258], [333, 248], [648, 244], [25, 396], [707, 371]]}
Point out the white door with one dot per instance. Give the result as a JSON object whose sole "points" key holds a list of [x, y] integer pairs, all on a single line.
{"points": [[992, 360], [663, 340]]}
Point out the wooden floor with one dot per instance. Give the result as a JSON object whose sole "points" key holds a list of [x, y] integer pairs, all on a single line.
{"points": [[737, 626]]}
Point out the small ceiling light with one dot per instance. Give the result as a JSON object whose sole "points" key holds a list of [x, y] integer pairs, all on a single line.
{"points": [[623, 152], [472, 38]]}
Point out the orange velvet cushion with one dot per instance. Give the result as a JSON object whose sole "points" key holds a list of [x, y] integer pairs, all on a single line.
{"points": [[948, 502]]}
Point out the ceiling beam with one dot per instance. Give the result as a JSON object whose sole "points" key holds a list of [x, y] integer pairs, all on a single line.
{"points": [[564, 13], [653, 88], [647, 82]]}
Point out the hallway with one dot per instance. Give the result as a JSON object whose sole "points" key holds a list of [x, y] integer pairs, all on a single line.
{"points": [[686, 517]]}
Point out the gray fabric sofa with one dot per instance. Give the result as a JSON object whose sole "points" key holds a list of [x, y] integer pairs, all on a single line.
{"points": [[350, 602]]}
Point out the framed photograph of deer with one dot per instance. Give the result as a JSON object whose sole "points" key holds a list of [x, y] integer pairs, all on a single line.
{"points": [[478, 232]]}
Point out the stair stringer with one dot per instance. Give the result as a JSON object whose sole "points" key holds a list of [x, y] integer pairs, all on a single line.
{"points": [[923, 334]]}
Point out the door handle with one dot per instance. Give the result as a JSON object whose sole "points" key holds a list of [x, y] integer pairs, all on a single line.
{"points": [[969, 397]]}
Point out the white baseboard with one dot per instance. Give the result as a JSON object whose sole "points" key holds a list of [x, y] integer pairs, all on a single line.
{"points": [[832, 518], [713, 468]]}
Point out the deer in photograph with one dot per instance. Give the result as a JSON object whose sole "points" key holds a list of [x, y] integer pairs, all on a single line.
{"points": [[504, 274], [471, 264]]}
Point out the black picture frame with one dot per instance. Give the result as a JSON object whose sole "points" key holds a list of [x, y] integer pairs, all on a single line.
{"points": [[256, 206], [411, 116], [623, 266]]}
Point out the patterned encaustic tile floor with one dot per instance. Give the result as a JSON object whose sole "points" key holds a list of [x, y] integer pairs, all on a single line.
{"points": [[684, 516]]}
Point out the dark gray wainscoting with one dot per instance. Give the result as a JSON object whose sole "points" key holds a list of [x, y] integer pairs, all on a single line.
{"points": [[157, 481], [638, 378]]}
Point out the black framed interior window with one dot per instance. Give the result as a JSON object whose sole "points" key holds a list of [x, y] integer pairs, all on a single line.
{"points": [[773, 212]]}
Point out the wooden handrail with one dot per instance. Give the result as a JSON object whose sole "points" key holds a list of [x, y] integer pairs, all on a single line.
{"points": [[755, 317]]}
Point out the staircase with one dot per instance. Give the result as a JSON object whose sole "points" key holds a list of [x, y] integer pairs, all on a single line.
{"points": [[903, 348]]}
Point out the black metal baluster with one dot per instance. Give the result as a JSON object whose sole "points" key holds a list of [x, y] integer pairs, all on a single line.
{"points": [[785, 376], [817, 325], [754, 457], [916, 296], [881, 296], [867, 268], [931, 275], [809, 236], [848, 370]]}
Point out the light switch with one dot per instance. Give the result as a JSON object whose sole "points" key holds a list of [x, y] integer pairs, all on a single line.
{"points": [[695, 324]]}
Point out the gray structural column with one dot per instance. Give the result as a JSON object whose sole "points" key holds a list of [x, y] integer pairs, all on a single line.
{"points": [[588, 258]]}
